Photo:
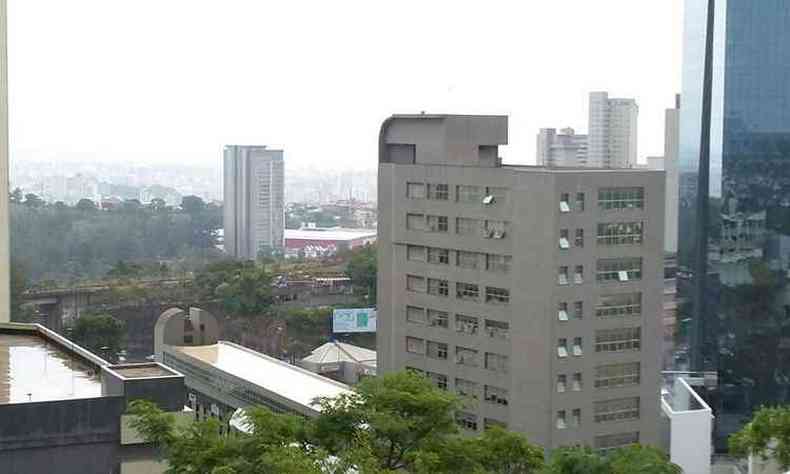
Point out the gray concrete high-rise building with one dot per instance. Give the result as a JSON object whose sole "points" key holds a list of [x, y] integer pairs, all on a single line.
{"points": [[669, 164], [561, 149], [5, 264], [254, 203], [535, 292], [612, 136]]}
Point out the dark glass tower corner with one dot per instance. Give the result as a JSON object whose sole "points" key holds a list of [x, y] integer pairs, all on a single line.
{"points": [[740, 253]]}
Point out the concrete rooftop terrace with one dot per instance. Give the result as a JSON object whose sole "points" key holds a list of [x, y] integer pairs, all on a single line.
{"points": [[286, 380], [34, 369]]}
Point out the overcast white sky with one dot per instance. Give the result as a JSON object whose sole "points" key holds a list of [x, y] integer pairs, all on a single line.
{"points": [[174, 80]]}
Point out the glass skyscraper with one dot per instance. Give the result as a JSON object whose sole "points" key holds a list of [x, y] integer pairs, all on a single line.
{"points": [[734, 245]]}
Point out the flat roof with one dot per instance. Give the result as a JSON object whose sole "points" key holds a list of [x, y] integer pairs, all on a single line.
{"points": [[286, 380], [142, 371], [33, 369], [330, 234]]}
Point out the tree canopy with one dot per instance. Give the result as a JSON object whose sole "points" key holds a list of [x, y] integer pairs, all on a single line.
{"points": [[100, 333], [767, 436], [362, 270], [397, 422]]}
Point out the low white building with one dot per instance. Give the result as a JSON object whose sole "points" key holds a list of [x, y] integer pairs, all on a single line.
{"points": [[688, 422], [341, 361]]}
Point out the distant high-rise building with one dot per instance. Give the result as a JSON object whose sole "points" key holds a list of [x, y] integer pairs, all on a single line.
{"points": [[611, 139], [254, 212], [561, 149], [669, 163], [536, 293], [5, 282], [735, 203]]}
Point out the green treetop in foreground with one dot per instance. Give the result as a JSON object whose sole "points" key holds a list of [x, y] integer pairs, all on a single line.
{"points": [[766, 436], [394, 423]]}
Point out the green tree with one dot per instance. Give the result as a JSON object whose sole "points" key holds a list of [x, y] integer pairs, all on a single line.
{"points": [[86, 205], [767, 436], [18, 285], [16, 196], [32, 200], [244, 287], [362, 271], [100, 333], [626, 460]]}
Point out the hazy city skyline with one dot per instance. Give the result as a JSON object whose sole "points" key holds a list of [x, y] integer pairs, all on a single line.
{"points": [[175, 81]]}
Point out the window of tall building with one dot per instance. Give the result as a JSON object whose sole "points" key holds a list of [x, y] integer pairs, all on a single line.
{"points": [[438, 256], [437, 350], [576, 417], [615, 441], [469, 194], [621, 198], [438, 319], [579, 202], [619, 269], [415, 314], [489, 423], [618, 339], [562, 311], [497, 295], [497, 329], [466, 324], [620, 233], [438, 192], [496, 395], [467, 421], [576, 382], [578, 350], [619, 305], [562, 383], [415, 283], [564, 242], [415, 221], [415, 345], [495, 229], [467, 388], [467, 291], [415, 190], [415, 253], [578, 274], [466, 259], [562, 275], [561, 420], [439, 380], [497, 362], [579, 239], [565, 202], [562, 347], [578, 310], [436, 223], [498, 263], [617, 375], [607, 411], [438, 287], [466, 356], [468, 226], [497, 195]]}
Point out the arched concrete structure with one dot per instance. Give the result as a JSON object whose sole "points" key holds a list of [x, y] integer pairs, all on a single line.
{"points": [[176, 327]]}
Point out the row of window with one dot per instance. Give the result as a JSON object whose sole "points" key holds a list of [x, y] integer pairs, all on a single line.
{"points": [[463, 323], [606, 340], [606, 376], [485, 228], [608, 199], [463, 355], [609, 234], [488, 196], [614, 305], [463, 259], [605, 411], [463, 291], [468, 421], [606, 270]]}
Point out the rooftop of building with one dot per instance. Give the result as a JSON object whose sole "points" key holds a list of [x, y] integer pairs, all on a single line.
{"points": [[576, 169], [144, 370], [35, 368], [334, 352], [333, 233], [273, 375]]}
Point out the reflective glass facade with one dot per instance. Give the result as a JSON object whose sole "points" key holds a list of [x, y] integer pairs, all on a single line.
{"points": [[741, 251]]}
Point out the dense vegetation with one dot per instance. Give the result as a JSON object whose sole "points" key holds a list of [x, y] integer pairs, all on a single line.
{"points": [[394, 423], [62, 242], [766, 436]]}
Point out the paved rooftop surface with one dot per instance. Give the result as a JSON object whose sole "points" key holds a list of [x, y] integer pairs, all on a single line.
{"points": [[141, 371], [286, 380], [35, 370]]}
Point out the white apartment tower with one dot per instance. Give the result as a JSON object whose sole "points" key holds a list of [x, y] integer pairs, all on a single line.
{"points": [[536, 293], [254, 201], [561, 149], [612, 135]]}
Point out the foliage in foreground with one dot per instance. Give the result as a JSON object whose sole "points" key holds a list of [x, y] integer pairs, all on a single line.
{"points": [[767, 435], [394, 423]]}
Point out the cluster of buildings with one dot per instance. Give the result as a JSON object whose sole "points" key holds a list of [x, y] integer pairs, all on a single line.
{"points": [[541, 294]]}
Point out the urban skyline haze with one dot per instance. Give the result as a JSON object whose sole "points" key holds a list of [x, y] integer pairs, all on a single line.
{"points": [[174, 81]]}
